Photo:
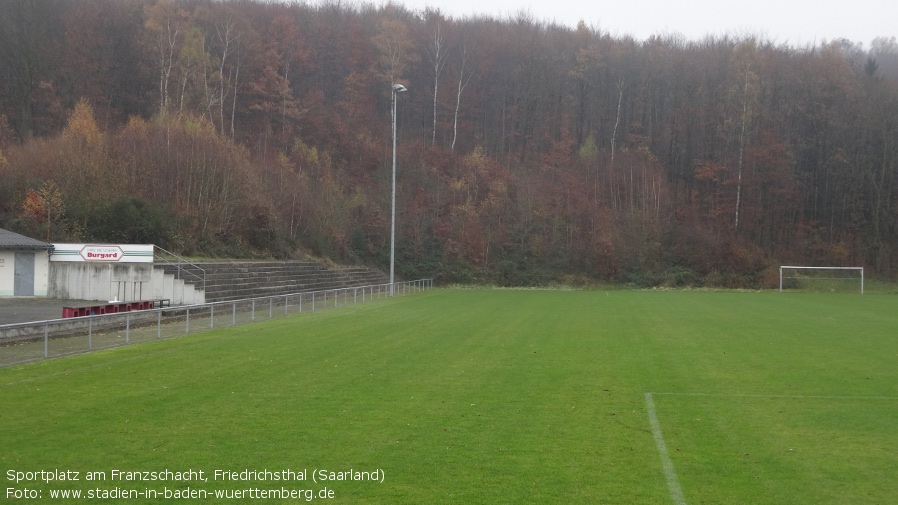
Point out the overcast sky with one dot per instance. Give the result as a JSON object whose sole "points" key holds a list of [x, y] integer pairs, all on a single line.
{"points": [[796, 22]]}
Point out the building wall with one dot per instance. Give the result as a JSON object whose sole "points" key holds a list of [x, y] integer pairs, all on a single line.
{"points": [[101, 281], [125, 282], [7, 272], [8, 269], [41, 273]]}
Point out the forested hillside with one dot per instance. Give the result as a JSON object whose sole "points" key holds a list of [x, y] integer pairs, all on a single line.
{"points": [[526, 151]]}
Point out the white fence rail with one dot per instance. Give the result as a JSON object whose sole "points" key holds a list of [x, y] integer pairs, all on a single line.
{"points": [[38, 340]]}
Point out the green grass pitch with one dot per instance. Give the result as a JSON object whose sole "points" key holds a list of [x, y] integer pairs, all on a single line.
{"points": [[479, 397]]}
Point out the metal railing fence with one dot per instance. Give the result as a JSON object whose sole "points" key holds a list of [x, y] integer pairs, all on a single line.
{"points": [[184, 269], [38, 340]]}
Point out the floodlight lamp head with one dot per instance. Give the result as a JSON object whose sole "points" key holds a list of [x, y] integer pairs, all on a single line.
{"points": [[399, 88]]}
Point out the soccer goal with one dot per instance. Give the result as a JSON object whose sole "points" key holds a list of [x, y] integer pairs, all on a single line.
{"points": [[822, 279]]}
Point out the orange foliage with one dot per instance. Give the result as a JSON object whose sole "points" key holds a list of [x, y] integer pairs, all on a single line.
{"points": [[44, 205], [82, 127]]}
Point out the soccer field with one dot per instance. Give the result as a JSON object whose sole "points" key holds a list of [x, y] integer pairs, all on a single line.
{"points": [[485, 396]]}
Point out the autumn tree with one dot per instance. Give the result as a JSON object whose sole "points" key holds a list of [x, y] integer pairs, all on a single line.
{"points": [[44, 206], [86, 171], [395, 46]]}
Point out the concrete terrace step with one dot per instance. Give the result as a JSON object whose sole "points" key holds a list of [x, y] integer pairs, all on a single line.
{"points": [[292, 285], [225, 281], [286, 278]]}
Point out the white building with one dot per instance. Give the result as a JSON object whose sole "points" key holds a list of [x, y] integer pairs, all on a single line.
{"points": [[123, 272], [24, 265]]}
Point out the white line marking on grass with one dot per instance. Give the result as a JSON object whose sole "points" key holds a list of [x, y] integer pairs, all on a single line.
{"points": [[673, 484], [805, 397]]}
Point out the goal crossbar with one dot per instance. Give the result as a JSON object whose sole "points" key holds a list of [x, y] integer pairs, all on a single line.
{"points": [[793, 267]]}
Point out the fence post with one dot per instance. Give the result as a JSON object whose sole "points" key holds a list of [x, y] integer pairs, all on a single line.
{"points": [[407, 287]]}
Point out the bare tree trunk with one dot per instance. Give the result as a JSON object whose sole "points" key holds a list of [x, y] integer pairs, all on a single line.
{"points": [[285, 92], [438, 60], [620, 99], [226, 37], [234, 96], [463, 80], [166, 63], [745, 113], [739, 170]]}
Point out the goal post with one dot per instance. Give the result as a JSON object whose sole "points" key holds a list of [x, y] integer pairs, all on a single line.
{"points": [[815, 273]]}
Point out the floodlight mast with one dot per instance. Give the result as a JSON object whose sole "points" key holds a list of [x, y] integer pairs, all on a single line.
{"points": [[397, 88]]}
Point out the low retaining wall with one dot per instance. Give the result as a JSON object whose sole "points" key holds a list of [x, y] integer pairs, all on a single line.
{"points": [[126, 282]]}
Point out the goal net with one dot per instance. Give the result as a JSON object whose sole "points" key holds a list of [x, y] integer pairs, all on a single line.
{"points": [[822, 279]]}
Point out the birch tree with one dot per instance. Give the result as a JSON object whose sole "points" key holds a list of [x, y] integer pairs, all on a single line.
{"points": [[166, 25], [744, 93], [395, 47], [464, 77], [613, 183], [226, 35], [436, 52], [194, 64]]}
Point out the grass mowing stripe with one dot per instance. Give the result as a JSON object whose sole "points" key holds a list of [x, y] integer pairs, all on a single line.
{"points": [[673, 483]]}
